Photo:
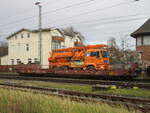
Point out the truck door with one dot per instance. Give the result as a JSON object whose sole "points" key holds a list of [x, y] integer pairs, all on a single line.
{"points": [[92, 58]]}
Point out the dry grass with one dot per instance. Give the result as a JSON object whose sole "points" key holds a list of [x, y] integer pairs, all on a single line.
{"points": [[27, 102]]}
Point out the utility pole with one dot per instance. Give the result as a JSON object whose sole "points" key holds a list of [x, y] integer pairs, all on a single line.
{"points": [[40, 32]]}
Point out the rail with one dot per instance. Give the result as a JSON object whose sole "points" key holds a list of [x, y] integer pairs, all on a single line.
{"points": [[125, 84], [144, 105]]}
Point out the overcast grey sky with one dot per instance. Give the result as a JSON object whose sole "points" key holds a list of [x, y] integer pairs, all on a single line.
{"points": [[97, 20]]}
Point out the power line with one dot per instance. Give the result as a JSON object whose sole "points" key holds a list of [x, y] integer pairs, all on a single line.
{"points": [[23, 11], [93, 11], [52, 11], [14, 15], [115, 33], [115, 21], [105, 19], [96, 10], [69, 6], [105, 22]]}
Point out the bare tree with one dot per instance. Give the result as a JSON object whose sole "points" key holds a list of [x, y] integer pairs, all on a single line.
{"points": [[112, 42], [123, 54], [125, 43], [70, 31], [116, 54], [3, 44]]}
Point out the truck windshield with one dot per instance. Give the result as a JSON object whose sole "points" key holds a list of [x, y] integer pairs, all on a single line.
{"points": [[94, 54], [105, 54]]}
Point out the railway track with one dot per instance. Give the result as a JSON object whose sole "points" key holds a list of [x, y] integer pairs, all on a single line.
{"points": [[142, 104], [147, 80], [79, 81]]}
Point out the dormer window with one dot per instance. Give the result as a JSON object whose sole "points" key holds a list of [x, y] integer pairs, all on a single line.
{"points": [[28, 35], [21, 35]]}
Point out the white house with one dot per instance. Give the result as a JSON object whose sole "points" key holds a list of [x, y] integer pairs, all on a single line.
{"points": [[23, 45]]}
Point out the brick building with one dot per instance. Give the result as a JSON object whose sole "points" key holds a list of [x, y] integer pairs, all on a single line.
{"points": [[142, 36]]}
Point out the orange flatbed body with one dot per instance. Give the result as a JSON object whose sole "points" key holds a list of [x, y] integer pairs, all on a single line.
{"points": [[86, 57]]}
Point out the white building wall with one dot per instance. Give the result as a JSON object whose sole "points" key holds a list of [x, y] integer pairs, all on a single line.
{"points": [[4, 60], [17, 46], [69, 42], [46, 48]]}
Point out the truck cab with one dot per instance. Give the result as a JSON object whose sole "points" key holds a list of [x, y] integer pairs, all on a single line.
{"points": [[97, 59]]}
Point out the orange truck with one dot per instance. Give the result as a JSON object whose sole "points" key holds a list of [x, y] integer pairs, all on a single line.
{"points": [[91, 57]]}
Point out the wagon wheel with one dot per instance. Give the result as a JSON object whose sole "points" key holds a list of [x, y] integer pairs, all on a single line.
{"points": [[63, 68]]}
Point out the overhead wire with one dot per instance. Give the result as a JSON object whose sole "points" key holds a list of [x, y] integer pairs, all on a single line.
{"points": [[89, 12], [47, 12], [100, 9], [23, 12], [114, 21], [71, 16], [106, 8], [101, 19], [93, 11]]}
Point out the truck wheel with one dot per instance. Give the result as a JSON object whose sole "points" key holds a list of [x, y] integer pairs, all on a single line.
{"points": [[55, 68], [64, 68], [90, 68]]}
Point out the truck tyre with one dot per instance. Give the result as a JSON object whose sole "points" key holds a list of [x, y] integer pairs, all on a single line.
{"points": [[91, 68]]}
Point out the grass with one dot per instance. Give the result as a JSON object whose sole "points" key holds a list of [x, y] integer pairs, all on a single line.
{"points": [[128, 92], [26, 102], [75, 87], [85, 88]]}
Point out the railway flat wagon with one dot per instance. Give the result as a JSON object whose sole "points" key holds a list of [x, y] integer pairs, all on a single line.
{"points": [[87, 61], [7, 68]]}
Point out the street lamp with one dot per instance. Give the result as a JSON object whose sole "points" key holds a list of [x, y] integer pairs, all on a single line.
{"points": [[40, 31]]}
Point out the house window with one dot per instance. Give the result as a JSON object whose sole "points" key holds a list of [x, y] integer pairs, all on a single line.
{"points": [[63, 47], [56, 45], [146, 41], [139, 41], [35, 60], [29, 60], [28, 35], [12, 61], [21, 35], [18, 61], [27, 47]]}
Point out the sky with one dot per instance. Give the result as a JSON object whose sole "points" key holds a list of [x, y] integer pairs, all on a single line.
{"points": [[97, 20]]}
